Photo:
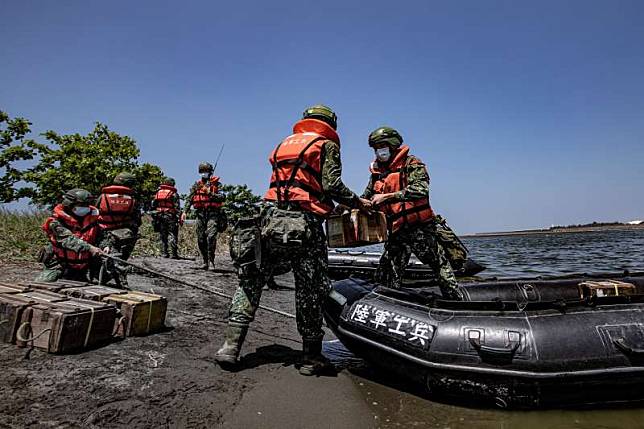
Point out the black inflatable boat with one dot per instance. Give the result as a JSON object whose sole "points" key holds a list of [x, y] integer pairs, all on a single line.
{"points": [[350, 263], [519, 344]]}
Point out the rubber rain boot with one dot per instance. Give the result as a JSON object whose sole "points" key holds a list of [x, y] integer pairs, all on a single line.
{"points": [[233, 339], [313, 362]]}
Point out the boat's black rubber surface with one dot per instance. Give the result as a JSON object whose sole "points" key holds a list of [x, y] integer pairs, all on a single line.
{"points": [[520, 344]]}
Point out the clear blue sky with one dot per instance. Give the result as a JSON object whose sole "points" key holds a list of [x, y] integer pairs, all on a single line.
{"points": [[527, 113]]}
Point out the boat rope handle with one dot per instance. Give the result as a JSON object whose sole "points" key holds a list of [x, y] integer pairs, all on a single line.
{"points": [[27, 340]]}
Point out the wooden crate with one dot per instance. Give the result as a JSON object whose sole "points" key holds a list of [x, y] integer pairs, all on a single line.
{"points": [[141, 313], [354, 228], [601, 288], [66, 326], [42, 296], [52, 286], [11, 309], [93, 292], [12, 288]]}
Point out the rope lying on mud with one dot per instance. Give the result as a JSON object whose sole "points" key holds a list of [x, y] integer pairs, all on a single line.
{"points": [[216, 291]]}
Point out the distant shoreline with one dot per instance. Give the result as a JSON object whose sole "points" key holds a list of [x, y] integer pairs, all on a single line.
{"points": [[564, 230]]}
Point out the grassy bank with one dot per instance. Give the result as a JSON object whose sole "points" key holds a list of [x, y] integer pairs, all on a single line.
{"points": [[21, 237]]}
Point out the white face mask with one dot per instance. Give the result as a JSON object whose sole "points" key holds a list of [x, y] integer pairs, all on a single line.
{"points": [[383, 154], [205, 176], [81, 211]]}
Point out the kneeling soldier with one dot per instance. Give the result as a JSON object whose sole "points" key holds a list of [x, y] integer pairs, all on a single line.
{"points": [[72, 231]]}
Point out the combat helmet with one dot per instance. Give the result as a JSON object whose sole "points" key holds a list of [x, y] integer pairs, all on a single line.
{"points": [[206, 167], [386, 135], [77, 197], [125, 178], [169, 181], [323, 113]]}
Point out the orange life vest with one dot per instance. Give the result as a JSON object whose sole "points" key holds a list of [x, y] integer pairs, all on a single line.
{"points": [[202, 199], [297, 167], [393, 179], [86, 229], [165, 199], [116, 207]]}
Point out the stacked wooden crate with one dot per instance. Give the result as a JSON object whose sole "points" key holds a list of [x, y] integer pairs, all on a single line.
{"points": [[69, 316]]}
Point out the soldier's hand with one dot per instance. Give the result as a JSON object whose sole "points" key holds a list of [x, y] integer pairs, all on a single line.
{"points": [[96, 251], [365, 206], [182, 218], [340, 208], [380, 199]]}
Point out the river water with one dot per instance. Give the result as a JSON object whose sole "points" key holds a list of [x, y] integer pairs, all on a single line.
{"points": [[515, 256]]}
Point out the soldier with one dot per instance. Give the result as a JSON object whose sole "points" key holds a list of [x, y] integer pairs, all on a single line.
{"points": [[167, 216], [72, 231], [207, 200], [119, 220], [399, 186], [306, 178]]}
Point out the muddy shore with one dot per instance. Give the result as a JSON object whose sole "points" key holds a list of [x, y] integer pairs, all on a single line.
{"points": [[170, 379]]}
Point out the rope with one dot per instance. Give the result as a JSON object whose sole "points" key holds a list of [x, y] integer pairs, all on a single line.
{"points": [[27, 340], [217, 291]]}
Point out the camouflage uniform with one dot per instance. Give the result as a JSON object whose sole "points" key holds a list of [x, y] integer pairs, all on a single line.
{"points": [[121, 243], [167, 225], [209, 222], [418, 239], [309, 263], [53, 269]]}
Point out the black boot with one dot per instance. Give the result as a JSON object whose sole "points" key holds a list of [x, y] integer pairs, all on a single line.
{"points": [[204, 266], [313, 362], [234, 338]]}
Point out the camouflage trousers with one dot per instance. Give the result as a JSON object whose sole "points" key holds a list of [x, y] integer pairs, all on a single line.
{"points": [[309, 264], [168, 227], [121, 243], [208, 225], [421, 241], [54, 270]]}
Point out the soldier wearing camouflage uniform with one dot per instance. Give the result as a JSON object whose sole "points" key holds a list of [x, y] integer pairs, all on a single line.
{"points": [[72, 231], [207, 200], [399, 186], [119, 221], [306, 178], [167, 217]]}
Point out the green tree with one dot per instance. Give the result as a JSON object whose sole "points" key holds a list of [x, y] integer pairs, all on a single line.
{"points": [[14, 148], [66, 162], [240, 202]]}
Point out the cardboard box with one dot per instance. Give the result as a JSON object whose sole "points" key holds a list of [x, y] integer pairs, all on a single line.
{"points": [[354, 228], [141, 313]]}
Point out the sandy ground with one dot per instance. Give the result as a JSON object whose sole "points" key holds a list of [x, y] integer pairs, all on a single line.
{"points": [[170, 379]]}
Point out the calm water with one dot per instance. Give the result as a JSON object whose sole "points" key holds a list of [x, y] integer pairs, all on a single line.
{"points": [[532, 255], [555, 254], [552, 254]]}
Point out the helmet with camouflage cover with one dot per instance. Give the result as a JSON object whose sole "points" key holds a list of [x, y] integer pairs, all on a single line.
{"points": [[206, 167], [385, 135], [169, 181], [125, 178], [323, 113], [77, 197]]}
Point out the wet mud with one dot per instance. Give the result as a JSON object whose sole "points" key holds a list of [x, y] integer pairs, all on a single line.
{"points": [[170, 379]]}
